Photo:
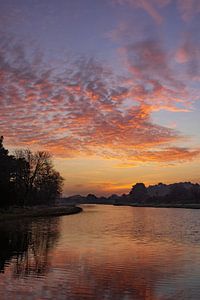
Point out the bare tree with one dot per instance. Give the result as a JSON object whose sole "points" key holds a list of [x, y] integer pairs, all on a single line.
{"points": [[42, 182]]}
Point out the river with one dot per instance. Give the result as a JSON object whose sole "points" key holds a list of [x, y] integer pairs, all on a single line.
{"points": [[105, 252]]}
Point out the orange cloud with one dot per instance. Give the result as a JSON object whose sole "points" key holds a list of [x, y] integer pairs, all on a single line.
{"points": [[173, 154], [153, 80], [85, 111]]}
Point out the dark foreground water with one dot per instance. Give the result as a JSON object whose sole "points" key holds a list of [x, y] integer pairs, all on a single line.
{"points": [[106, 252]]}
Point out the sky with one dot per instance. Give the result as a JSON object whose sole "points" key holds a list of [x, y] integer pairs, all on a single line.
{"points": [[109, 87]]}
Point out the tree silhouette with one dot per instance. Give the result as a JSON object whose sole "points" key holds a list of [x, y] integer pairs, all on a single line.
{"points": [[42, 182], [6, 173], [139, 192], [27, 178]]}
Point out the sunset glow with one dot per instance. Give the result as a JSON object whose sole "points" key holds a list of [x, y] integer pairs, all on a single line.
{"points": [[110, 88]]}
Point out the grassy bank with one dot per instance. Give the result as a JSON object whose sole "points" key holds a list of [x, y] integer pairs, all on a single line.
{"points": [[27, 212]]}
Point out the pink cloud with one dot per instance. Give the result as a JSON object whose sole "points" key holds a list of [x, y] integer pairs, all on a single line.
{"points": [[187, 8], [83, 112], [153, 80], [188, 54], [148, 6], [182, 56]]}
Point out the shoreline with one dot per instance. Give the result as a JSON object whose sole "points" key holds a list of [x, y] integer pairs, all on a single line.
{"points": [[31, 212], [186, 206], [153, 205]]}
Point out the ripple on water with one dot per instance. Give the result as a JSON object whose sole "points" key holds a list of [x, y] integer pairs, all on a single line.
{"points": [[106, 252]]}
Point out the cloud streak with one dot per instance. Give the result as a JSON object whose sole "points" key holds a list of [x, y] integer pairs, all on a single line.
{"points": [[187, 9]]}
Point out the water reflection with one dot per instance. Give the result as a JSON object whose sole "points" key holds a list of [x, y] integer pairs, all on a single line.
{"points": [[104, 253], [27, 245], [130, 253]]}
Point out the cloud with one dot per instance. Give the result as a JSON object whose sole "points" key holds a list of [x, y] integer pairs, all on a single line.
{"points": [[188, 54], [84, 110], [153, 79], [148, 6], [133, 157], [163, 72], [187, 8], [173, 154]]}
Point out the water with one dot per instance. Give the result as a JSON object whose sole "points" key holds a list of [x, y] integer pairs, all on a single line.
{"points": [[106, 252]]}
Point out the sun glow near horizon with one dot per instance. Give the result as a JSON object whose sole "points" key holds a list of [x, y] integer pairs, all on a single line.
{"points": [[115, 100]]}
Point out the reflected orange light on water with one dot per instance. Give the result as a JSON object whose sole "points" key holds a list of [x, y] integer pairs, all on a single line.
{"points": [[105, 252]]}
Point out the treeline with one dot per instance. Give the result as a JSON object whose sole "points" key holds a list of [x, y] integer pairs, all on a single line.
{"points": [[27, 178], [176, 194]]}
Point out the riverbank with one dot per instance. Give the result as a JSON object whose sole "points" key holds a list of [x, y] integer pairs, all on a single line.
{"points": [[33, 212], [160, 205], [139, 204]]}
